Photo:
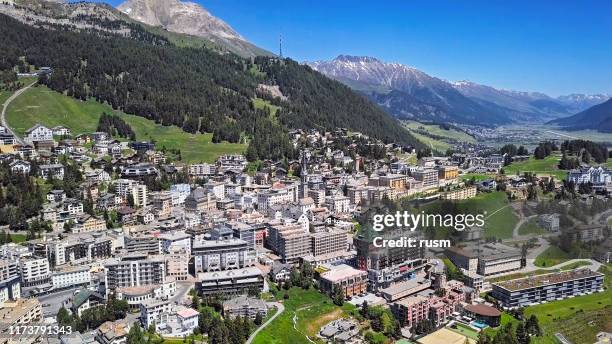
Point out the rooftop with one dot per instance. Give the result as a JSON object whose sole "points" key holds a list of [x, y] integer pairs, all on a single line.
{"points": [[547, 279], [340, 272]]}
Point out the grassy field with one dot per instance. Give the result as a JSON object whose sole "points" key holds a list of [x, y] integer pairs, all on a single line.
{"points": [[259, 103], [551, 256], [548, 166], [531, 227], [499, 219], [42, 105], [312, 309], [435, 136]]}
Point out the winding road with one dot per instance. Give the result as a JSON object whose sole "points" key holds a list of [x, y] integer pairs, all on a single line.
{"points": [[6, 105], [279, 310]]}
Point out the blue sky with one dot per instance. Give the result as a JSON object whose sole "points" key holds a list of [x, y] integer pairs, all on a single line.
{"points": [[556, 47]]}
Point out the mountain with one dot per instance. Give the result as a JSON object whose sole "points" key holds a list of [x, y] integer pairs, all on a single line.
{"points": [[198, 89], [407, 92], [598, 117], [192, 19], [534, 105]]}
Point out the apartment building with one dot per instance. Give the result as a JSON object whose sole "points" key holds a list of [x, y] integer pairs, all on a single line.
{"points": [[222, 254], [459, 194], [245, 307], [448, 172], [34, 271], [202, 170], [429, 177], [229, 282], [290, 242], [549, 287], [19, 312], [134, 270], [329, 241], [338, 204]]}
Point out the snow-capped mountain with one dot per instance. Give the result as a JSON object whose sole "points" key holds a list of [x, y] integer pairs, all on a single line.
{"points": [[189, 18], [407, 92]]}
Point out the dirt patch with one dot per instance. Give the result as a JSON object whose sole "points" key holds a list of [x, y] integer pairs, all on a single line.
{"points": [[315, 325]]}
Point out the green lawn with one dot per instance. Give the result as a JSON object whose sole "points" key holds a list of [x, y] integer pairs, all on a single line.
{"points": [[42, 105], [548, 165], [476, 176], [520, 275], [313, 310], [499, 216], [531, 227], [551, 256]]}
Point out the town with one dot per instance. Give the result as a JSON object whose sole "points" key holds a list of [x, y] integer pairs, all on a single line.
{"points": [[106, 238]]}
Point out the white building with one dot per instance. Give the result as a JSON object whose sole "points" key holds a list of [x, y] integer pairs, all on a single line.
{"points": [[70, 277], [39, 133], [34, 271]]}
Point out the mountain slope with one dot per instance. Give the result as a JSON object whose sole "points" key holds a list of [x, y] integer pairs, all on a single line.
{"points": [[196, 89], [407, 92], [192, 19], [598, 117], [528, 105]]}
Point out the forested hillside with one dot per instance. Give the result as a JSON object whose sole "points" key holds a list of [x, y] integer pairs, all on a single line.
{"points": [[194, 88]]}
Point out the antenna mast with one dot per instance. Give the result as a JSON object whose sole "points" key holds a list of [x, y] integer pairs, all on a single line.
{"points": [[280, 46]]}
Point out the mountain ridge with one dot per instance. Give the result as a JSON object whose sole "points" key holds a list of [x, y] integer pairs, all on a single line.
{"points": [[425, 97]]}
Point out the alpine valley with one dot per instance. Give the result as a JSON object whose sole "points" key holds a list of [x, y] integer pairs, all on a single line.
{"points": [[409, 93]]}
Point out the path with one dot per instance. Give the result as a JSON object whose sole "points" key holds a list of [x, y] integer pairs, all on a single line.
{"points": [[5, 106], [279, 309], [515, 230]]}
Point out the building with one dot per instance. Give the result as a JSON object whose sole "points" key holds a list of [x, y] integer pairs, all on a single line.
{"points": [[200, 201], [330, 241], [222, 254], [290, 242], [486, 260], [112, 332], [406, 288], [244, 306], [338, 204], [586, 233], [38, 133], [229, 282], [459, 194], [202, 170], [34, 271], [599, 177], [10, 280], [134, 270], [19, 312], [143, 244], [71, 277], [549, 287], [484, 314], [550, 222], [55, 171], [61, 131], [428, 177], [411, 310], [448, 172], [352, 281]]}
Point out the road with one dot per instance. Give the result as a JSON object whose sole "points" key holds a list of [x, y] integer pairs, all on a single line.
{"points": [[279, 309], [6, 105]]}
